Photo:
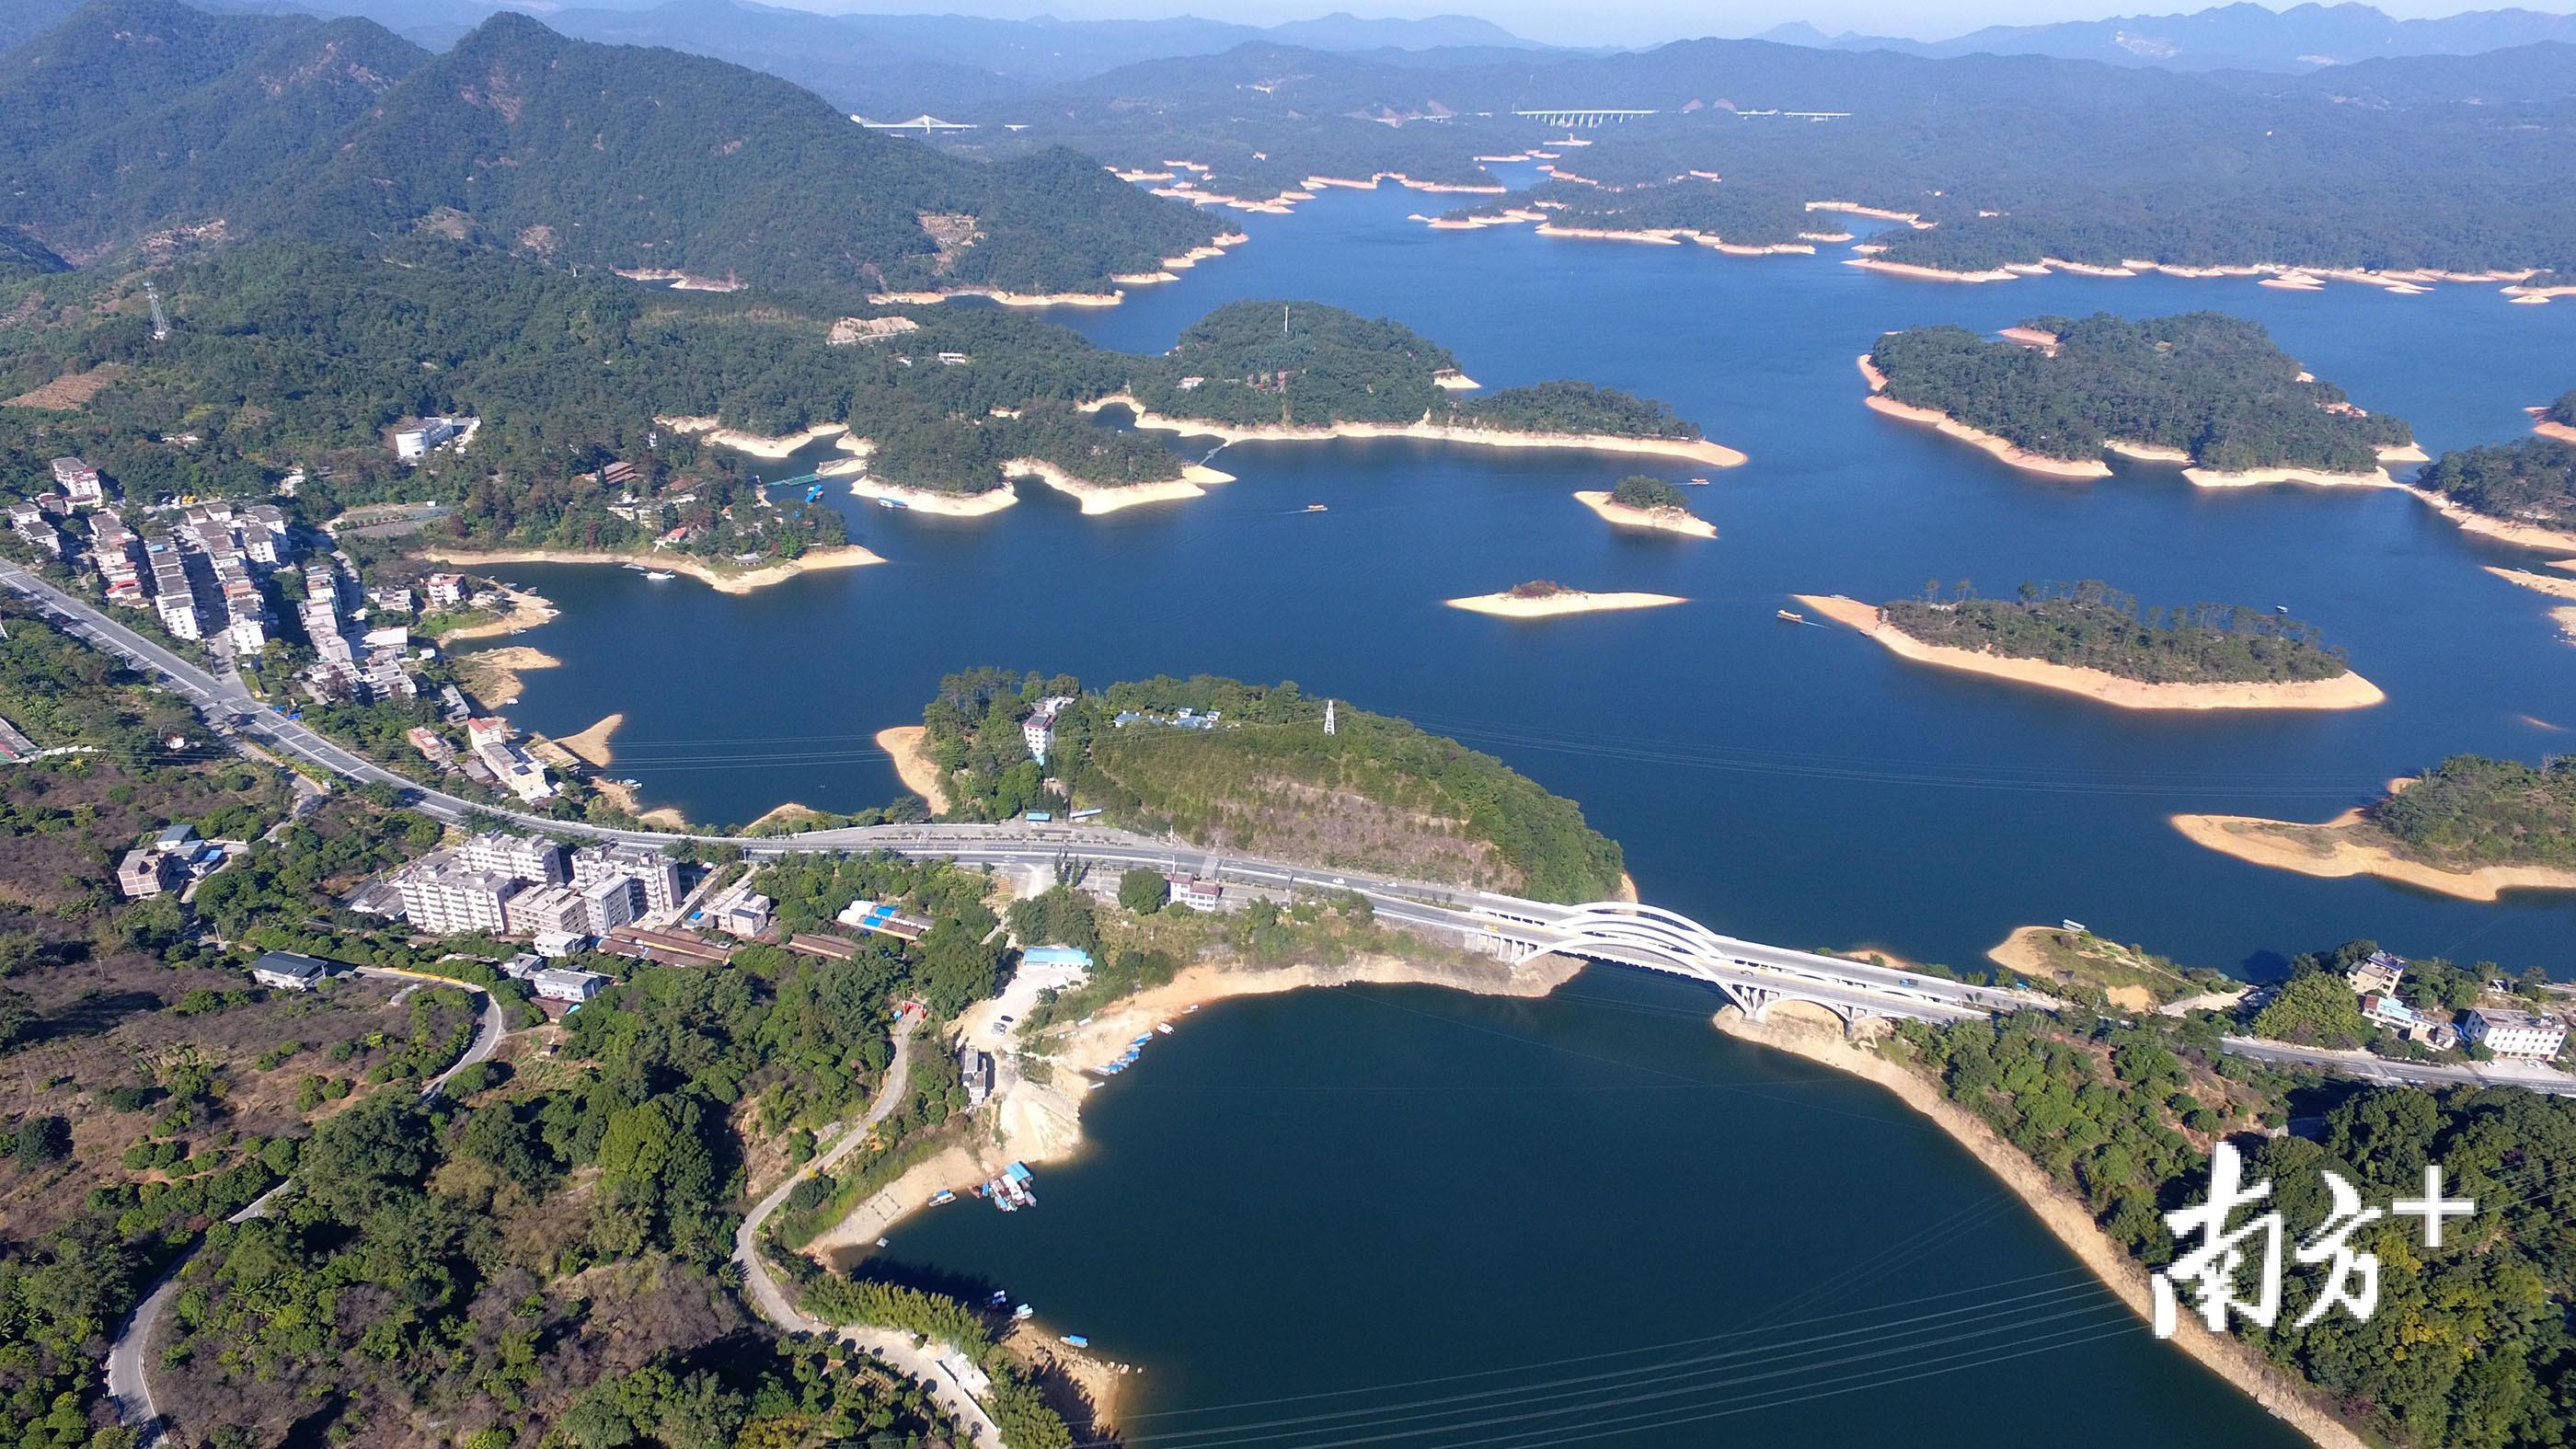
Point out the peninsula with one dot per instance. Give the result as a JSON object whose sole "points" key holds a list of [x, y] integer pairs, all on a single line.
{"points": [[2521, 493], [1214, 758], [1545, 598], [2471, 827], [2088, 639], [1640, 501], [2203, 389]]}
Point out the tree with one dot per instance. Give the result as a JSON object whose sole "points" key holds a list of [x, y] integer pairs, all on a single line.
{"points": [[1142, 890], [43, 1138]]}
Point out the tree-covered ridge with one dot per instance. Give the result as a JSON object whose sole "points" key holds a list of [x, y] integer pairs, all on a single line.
{"points": [[2529, 481], [289, 356], [1736, 215], [1378, 794], [2471, 811], [2562, 410], [520, 139], [2208, 384], [2469, 1344], [2091, 626]]}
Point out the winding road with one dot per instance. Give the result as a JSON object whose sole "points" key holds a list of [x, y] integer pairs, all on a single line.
{"points": [[897, 1348], [129, 1384]]}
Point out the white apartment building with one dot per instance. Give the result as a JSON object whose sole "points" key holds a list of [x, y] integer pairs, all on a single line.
{"points": [[442, 900], [2514, 1033]]}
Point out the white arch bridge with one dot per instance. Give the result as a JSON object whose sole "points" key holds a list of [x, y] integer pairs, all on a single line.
{"points": [[1753, 976]]}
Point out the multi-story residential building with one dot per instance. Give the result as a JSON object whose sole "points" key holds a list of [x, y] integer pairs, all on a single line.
{"points": [[548, 910], [118, 556], [1038, 730], [655, 872], [611, 902], [442, 899], [510, 765], [2523, 1034], [34, 529], [80, 482], [172, 594], [446, 591], [530, 858]]}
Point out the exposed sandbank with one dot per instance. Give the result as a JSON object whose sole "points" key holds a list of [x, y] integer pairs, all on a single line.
{"points": [[2069, 1220], [758, 446], [2503, 530], [913, 765], [1110, 497], [2559, 431], [492, 675], [2350, 845], [1715, 455], [2344, 691], [526, 610], [839, 556], [1568, 601], [928, 500], [1927, 274], [591, 745], [1667, 520], [2550, 584]]}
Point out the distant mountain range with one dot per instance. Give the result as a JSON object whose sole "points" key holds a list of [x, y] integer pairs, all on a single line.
{"points": [[2226, 37], [145, 114]]}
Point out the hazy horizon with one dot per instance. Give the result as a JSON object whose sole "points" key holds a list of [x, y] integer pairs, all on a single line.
{"points": [[1612, 22]]}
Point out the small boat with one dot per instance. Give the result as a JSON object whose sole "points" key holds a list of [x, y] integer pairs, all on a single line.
{"points": [[1700, 481], [883, 502], [941, 1197], [660, 576], [1315, 508], [1789, 616], [1076, 1340], [1000, 1297], [1164, 1027], [2280, 608], [1023, 1313], [1186, 1010]]}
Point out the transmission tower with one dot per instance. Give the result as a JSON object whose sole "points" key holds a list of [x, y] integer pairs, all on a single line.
{"points": [[160, 319], [1328, 717]]}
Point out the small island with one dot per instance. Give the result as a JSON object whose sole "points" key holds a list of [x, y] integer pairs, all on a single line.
{"points": [[2202, 389], [1546, 598], [1640, 501], [2522, 493], [1726, 219], [2089, 639], [2472, 827]]}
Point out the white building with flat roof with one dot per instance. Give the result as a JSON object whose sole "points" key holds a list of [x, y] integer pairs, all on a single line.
{"points": [[2522, 1034], [611, 902], [442, 899]]}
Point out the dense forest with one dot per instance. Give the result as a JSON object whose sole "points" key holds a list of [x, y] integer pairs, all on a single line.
{"points": [[1642, 490], [2530, 481], [2471, 811], [291, 356], [519, 139], [1378, 794], [2122, 1115], [2091, 626], [2211, 385]]}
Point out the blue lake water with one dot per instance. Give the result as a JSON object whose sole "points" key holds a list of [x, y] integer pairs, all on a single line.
{"points": [[1795, 785], [1405, 1217]]}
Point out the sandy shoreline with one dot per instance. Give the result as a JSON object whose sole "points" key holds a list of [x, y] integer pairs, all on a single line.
{"points": [[839, 556], [591, 745], [527, 610], [1571, 601], [913, 765], [2345, 691], [2063, 1216], [2503, 530], [1099, 498], [1038, 1124], [1928, 274], [2002, 448], [714, 431], [1715, 455], [492, 675], [2318, 477], [2347, 846], [1666, 520], [2557, 431], [928, 500]]}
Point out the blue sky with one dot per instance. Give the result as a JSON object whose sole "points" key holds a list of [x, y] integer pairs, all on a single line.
{"points": [[1623, 22]]}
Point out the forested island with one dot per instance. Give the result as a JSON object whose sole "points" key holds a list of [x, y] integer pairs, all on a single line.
{"points": [[1643, 501], [2088, 638], [2471, 827], [604, 406], [1689, 208], [1249, 767], [2202, 388]]}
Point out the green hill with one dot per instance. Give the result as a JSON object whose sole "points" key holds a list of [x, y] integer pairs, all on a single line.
{"points": [[190, 152], [1262, 776]]}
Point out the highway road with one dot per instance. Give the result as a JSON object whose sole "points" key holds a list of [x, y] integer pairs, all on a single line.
{"points": [[2369, 1068]]}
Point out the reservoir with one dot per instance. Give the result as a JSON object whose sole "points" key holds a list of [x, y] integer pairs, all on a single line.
{"points": [[1331, 1217], [1793, 785]]}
